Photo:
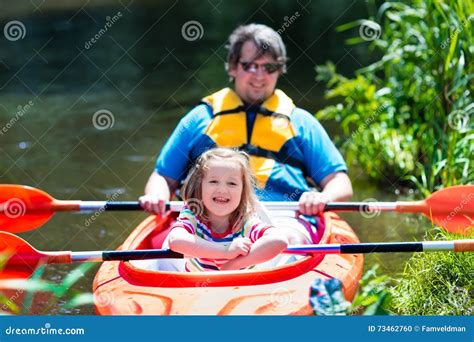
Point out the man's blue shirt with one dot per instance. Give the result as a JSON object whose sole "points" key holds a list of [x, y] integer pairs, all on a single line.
{"points": [[321, 157]]}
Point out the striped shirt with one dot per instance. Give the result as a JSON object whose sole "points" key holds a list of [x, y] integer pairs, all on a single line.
{"points": [[253, 228]]}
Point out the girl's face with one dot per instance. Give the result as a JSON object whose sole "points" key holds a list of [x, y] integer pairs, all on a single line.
{"points": [[222, 188]]}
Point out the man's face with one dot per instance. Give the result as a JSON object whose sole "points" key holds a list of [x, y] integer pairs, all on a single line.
{"points": [[256, 84]]}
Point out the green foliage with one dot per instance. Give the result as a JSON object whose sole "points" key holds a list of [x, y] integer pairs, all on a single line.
{"points": [[431, 284], [373, 297], [64, 296], [436, 283], [411, 112]]}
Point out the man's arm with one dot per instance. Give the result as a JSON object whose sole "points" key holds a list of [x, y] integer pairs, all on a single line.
{"points": [[337, 186], [325, 165], [174, 161], [158, 191]]}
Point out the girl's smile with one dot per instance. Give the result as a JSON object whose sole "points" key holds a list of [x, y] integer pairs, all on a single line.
{"points": [[221, 189]]}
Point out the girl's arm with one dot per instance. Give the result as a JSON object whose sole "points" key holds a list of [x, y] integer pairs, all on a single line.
{"points": [[272, 243], [181, 241]]}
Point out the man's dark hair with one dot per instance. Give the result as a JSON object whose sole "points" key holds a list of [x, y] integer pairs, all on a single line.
{"points": [[266, 40]]}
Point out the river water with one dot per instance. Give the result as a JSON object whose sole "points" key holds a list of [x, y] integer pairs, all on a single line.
{"points": [[132, 65]]}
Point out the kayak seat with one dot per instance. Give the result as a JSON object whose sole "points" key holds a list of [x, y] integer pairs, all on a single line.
{"points": [[158, 241]]}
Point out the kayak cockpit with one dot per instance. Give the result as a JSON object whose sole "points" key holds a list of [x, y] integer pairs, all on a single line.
{"points": [[122, 288], [169, 273]]}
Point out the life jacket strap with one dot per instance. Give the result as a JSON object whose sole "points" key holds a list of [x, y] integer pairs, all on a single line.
{"points": [[277, 156]]}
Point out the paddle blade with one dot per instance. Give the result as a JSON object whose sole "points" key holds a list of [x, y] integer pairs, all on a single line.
{"points": [[23, 208], [452, 208], [19, 259]]}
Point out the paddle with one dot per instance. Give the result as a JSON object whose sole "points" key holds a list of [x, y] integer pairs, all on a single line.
{"points": [[23, 208], [24, 258]]}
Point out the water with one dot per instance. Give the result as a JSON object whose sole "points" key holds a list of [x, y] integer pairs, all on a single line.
{"points": [[141, 76]]}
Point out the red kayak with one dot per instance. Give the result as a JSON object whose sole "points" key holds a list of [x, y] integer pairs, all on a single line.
{"points": [[126, 288]]}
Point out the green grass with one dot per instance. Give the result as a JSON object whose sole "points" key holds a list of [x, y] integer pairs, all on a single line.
{"points": [[63, 296], [436, 283], [373, 297]]}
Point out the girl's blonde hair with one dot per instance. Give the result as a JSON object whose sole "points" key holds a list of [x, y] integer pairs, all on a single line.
{"points": [[192, 188]]}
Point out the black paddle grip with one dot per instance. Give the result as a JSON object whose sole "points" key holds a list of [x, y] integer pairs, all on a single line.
{"points": [[388, 247], [119, 206], [141, 254]]}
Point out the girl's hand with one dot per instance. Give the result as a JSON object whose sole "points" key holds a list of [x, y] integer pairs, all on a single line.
{"points": [[239, 246]]}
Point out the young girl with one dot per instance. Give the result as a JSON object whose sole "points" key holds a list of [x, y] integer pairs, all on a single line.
{"points": [[219, 229]]}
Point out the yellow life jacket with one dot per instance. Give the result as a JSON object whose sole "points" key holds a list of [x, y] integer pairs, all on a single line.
{"points": [[271, 130]]}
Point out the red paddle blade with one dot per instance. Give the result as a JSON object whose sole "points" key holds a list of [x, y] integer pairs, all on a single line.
{"points": [[452, 208], [18, 257], [23, 208]]}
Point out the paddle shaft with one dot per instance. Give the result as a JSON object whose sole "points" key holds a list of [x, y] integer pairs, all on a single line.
{"points": [[178, 206], [23, 208], [385, 247], [358, 248]]}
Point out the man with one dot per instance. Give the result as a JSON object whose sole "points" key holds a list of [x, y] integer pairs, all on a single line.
{"points": [[287, 144]]}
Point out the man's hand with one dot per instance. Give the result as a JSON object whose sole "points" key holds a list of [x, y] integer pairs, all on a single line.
{"points": [[158, 192], [312, 203], [153, 204]]}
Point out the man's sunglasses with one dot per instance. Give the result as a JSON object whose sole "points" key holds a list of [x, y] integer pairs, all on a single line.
{"points": [[269, 68]]}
